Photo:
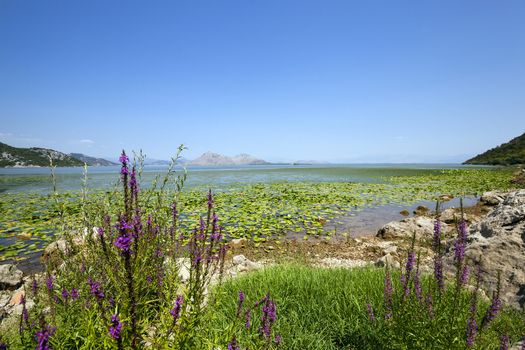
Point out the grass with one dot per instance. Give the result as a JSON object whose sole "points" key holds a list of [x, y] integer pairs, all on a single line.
{"points": [[326, 309]]}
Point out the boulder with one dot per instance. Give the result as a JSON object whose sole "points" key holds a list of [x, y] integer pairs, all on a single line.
{"points": [[421, 225], [404, 212], [421, 210], [387, 260], [10, 277], [243, 264], [499, 240], [493, 197], [238, 243]]}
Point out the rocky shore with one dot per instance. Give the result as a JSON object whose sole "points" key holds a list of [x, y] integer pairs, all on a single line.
{"points": [[496, 238]]}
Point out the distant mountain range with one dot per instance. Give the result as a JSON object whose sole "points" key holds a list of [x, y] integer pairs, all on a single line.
{"points": [[510, 153], [39, 157], [211, 158]]}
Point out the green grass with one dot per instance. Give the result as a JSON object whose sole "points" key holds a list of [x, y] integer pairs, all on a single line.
{"points": [[326, 309]]}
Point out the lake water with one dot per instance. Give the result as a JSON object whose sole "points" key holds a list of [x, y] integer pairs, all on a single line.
{"points": [[39, 180]]}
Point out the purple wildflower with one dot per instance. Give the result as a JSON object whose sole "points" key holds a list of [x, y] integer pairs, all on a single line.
{"points": [[123, 241], [492, 312], [370, 311], [25, 312], [459, 244], [34, 286], [74, 293], [116, 327], [268, 317], [65, 294], [247, 319], [504, 342], [175, 312], [464, 275], [210, 200], [472, 329], [3, 346], [42, 337], [436, 242], [133, 184], [438, 271], [100, 232], [233, 345], [430, 306], [124, 160], [278, 340], [96, 289], [411, 259], [49, 283], [241, 301]]}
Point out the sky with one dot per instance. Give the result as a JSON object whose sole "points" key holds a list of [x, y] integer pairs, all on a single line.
{"points": [[283, 80]]}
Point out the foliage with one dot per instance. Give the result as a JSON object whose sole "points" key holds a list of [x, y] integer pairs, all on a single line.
{"points": [[509, 153], [34, 157]]}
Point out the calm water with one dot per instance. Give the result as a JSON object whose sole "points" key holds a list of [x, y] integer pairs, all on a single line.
{"points": [[14, 180]]}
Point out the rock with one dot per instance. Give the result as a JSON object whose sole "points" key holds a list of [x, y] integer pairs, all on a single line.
{"points": [[342, 263], [387, 260], [449, 216], [184, 269], [17, 297], [421, 210], [238, 243], [10, 277], [445, 197], [243, 264], [390, 249], [404, 212], [499, 239], [493, 197], [421, 225], [55, 251]]}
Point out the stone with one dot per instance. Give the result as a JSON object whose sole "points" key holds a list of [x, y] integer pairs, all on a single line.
{"points": [[404, 212], [449, 216], [243, 264], [387, 260], [421, 210], [493, 197], [17, 297], [342, 263], [184, 269], [390, 249], [238, 243], [423, 227], [499, 240], [10, 277], [445, 197]]}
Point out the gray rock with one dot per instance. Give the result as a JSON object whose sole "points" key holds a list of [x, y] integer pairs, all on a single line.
{"points": [[499, 240], [421, 225], [243, 264], [10, 277], [184, 269], [421, 210], [387, 260], [493, 197]]}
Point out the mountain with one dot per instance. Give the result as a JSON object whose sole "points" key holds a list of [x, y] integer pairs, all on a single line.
{"points": [[512, 152], [27, 157], [92, 161], [210, 158]]}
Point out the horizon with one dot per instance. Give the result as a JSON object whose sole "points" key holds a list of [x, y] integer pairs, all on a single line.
{"points": [[284, 81]]}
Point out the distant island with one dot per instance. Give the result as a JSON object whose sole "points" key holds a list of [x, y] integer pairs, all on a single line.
{"points": [[211, 158], [39, 157], [510, 153]]}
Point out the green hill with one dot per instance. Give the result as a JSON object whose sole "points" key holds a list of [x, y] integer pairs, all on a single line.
{"points": [[14, 156], [510, 153]]}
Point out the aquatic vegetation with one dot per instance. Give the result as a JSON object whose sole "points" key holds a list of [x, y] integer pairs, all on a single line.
{"points": [[257, 211]]}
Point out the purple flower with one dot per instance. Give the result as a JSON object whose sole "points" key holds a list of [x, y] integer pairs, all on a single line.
{"points": [[460, 243], [175, 312], [492, 311], [504, 342], [472, 329], [3, 346], [100, 232], [233, 345], [42, 337], [248, 319], [370, 311], [123, 241], [268, 317], [438, 271], [133, 184], [417, 286], [464, 275], [411, 259], [116, 327], [49, 283], [240, 302], [123, 158], [430, 306], [65, 294], [96, 289], [210, 200], [34, 286], [278, 340], [436, 242], [74, 293]]}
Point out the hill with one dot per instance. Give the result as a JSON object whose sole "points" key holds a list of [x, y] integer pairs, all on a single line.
{"points": [[210, 158], [26, 157], [92, 161], [512, 152]]}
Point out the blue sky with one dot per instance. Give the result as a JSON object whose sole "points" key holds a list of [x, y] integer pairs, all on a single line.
{"points": [[344, 81]]}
